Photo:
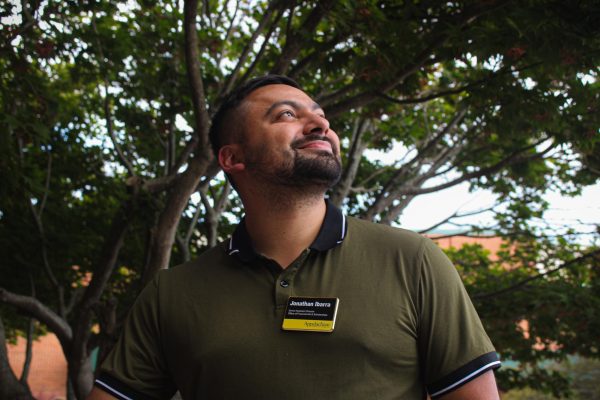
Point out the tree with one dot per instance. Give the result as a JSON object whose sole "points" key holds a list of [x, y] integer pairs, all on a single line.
{"points": [[11, 387], [108, 176], [549, 298]]}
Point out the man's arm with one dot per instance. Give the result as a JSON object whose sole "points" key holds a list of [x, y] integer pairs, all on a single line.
{"points": [[481, 388], [99, 394]]}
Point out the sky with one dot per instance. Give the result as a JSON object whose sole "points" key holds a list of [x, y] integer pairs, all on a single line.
{"points": [[426, 210], [580, 213]]}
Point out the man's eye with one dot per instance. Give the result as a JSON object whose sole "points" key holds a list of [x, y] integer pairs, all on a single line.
{"points": [[287, 113]]}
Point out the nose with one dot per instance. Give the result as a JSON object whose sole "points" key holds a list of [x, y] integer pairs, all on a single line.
{"points": [[316, 124]]}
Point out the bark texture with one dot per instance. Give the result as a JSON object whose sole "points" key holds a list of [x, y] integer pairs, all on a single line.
{"points": [[10, 387]]}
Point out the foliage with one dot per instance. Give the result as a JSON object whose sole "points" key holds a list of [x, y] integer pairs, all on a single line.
{"points": [[537, 308], [107, 176], [583, 374]]}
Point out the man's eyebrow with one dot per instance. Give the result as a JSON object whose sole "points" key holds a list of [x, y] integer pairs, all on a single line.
{"points": [[291, 103]]}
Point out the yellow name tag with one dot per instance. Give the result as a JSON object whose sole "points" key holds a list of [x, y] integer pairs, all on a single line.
{"points": [[311, 314]]}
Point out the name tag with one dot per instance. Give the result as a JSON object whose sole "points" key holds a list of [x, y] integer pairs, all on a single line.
{"points": [[311, 314]]}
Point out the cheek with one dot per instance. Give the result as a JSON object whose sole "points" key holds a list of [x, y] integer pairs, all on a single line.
{"points": [[336, 141], [267, 139]]}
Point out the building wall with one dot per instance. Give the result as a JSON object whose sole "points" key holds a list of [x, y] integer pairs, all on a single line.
{"points": [[48, 371], [491, 243]]}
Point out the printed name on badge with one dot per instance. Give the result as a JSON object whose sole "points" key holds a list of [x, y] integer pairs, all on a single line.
{"points": [[310, 314]]}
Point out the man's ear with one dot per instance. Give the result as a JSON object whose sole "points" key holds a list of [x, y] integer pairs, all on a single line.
{"points": [[231, 159]]}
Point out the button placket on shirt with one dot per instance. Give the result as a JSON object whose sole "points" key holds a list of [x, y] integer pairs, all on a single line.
{"points": [[284, 285]]}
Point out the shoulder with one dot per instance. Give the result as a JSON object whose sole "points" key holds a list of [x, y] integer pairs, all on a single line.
{"points": [[370, 228], [392, 244], [210, 263], [385, 236]]}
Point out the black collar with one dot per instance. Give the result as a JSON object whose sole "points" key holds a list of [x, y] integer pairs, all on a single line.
{"points": [[331, 234]]}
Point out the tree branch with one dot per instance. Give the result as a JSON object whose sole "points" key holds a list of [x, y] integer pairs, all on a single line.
{"points": [[184, 241], [429, 146], [46, 186], [186, 183], [263, 47], [514, 158], [193, 222], [28, 351], [231, 79], [325, 100], [185, 154], [395, 210], [427, 98], [110, 252], [205, 12], [11, 387], [462, 233], [192, 59], [106, 104], [295, 41], [413, 187], [368, 96], [223, 199], [29, 339], [32, 306], [37, 217], [109, 127], [76, 295], [388, 193], [214, 211], [320, 49], [103, 269], [437, 39], [170, 148], [442, 158], [357, 148], [454, 216], [151, 185], [229, 29], [518, 285], [447, 92]]}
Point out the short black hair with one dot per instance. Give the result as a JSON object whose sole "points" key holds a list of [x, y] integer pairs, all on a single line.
{"points": [[221, 131]]}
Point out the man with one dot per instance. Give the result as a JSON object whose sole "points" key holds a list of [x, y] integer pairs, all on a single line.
{"points": [[301, 302]]}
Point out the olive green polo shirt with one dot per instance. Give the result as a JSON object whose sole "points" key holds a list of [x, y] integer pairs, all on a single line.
{"points": [[212, 328]]}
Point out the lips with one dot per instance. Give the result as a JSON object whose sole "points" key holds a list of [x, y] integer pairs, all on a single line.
{"points": [[316, 144], [314, 141]]}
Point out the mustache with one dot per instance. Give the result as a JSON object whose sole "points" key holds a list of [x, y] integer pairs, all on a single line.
{"points": [[311, 138]]}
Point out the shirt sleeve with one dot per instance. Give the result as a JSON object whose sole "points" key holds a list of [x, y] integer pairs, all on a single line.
{"points": [[453, 345], [136, 366]]}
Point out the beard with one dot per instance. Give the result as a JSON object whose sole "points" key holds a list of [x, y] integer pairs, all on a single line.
{"points": [[323, 170], [292, 168]]}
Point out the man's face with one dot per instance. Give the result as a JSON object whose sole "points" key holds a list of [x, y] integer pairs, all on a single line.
{"points": [[287, 140]]}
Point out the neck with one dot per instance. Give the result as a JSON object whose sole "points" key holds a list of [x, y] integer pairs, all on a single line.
{"points": [[283, 226]]}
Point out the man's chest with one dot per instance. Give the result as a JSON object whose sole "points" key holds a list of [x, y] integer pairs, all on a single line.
{"points": [[238, 333]]}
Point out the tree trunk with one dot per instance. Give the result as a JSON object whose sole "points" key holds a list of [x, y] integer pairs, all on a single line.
{"points": [[10, 387], [81, 377], [166, 229], [28, 352]]}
